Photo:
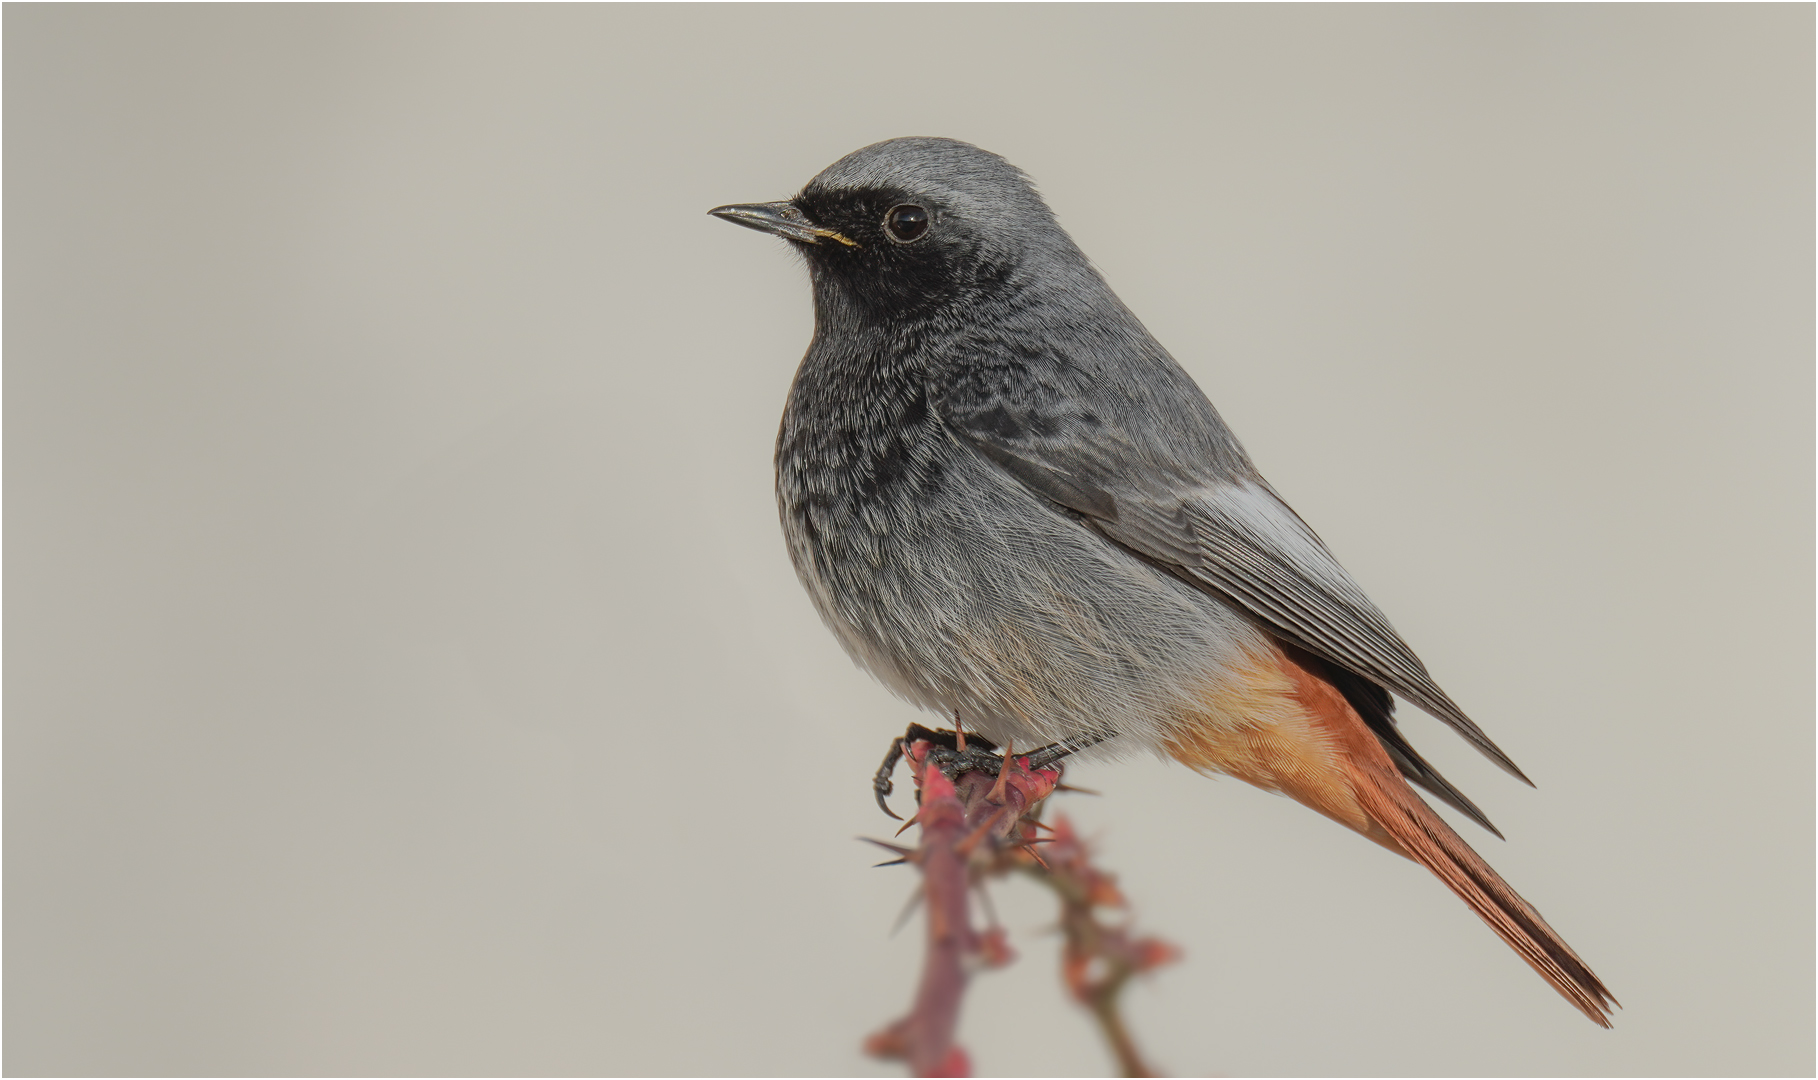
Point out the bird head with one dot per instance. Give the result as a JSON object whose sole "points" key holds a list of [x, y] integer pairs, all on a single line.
{"points": [[908, 226]]}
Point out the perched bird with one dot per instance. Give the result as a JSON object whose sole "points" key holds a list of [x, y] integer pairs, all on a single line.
{"points": [[1012, 506]]}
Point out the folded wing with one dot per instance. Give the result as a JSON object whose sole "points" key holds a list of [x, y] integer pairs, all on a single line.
{"points": [[1207, 516]]}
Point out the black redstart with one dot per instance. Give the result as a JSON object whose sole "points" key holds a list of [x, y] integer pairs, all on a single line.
{"points": [[1012, 506]]}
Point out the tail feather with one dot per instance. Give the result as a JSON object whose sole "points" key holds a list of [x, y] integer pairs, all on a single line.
{"points": [[1376, 709], [1432, 843], [1294, 731]]}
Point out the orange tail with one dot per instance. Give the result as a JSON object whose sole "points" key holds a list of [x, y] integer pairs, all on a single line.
{"points": [[1314, 748], [1432, 843]]}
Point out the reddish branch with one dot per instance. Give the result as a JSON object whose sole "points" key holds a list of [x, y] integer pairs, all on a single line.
{"points": [[976, 826], [1098, 960], [963, 822]]}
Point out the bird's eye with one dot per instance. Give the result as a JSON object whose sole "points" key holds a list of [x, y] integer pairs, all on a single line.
{"points": [[906, 223]]}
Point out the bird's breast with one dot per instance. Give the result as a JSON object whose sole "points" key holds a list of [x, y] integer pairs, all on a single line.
{"points": [[855, 463]]}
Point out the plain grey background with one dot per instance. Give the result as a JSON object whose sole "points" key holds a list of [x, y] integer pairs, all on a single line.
{"points": [[407, 675]]}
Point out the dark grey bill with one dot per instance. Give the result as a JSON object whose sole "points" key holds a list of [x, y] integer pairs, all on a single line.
{"points": [[784, 219]]}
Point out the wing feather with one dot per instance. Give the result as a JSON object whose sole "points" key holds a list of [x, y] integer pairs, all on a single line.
{"points": [[1214, 522]]}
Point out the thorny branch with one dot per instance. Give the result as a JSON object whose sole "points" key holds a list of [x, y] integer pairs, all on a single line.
{"points": [[1098, 960], [975, 826]]}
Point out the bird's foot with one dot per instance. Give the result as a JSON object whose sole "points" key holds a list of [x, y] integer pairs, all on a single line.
{"points": [[955, 752], [953, 757]]}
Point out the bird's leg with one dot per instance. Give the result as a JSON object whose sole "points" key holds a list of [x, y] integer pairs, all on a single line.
{"points": [[1045, 756]]}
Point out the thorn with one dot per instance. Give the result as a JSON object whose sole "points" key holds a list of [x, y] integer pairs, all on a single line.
{"points": [[964, 847], [912, 820], [1076, 790], [959, 734], [1037, 856], [984, 899], [1003, 773], [888, 1043], [894, 848], [915, 900], [1039, 823], [892, 862]]}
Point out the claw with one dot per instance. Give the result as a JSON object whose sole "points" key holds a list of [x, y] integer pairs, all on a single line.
{"points": [[881, 783]]}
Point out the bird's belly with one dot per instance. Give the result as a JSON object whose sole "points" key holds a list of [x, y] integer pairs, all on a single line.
{"points": [[980, 600]]}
